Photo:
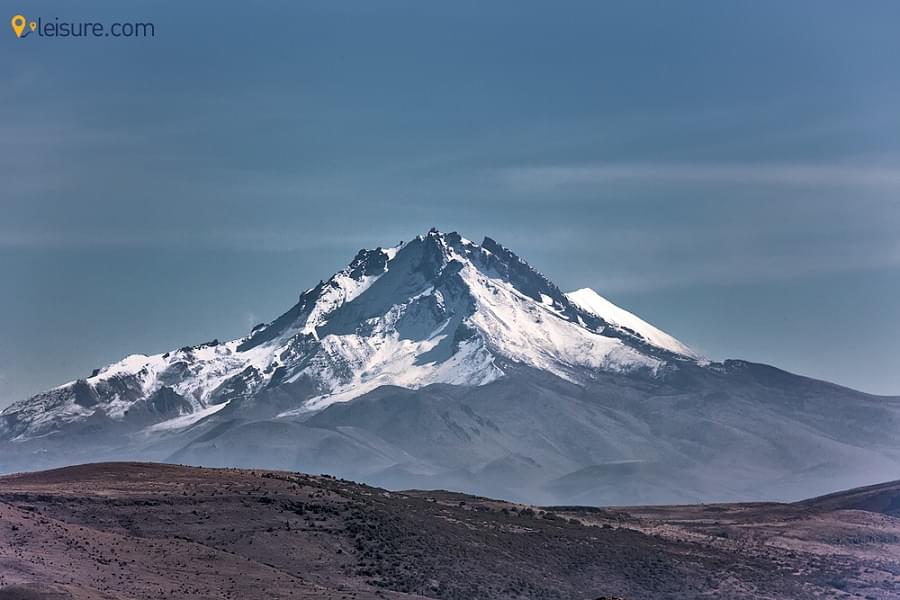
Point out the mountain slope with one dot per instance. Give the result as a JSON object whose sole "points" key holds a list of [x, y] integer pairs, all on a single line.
{"points": [[445, 363], [882, 498], [439, 309], [126, 530], [592, 302]]}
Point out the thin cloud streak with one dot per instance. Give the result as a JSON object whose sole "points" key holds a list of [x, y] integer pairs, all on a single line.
{"points": [[763, 268], [248, 240], [554, 176]]}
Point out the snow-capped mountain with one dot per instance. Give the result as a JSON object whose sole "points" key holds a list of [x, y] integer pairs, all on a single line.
{"points": [[441, 362], [438, 309]]}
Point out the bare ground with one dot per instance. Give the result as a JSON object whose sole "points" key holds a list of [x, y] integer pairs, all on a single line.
{"points": [[144, 531]]}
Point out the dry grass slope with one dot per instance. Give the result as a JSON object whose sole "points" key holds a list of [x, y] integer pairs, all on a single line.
{"points": [[129, 530]]}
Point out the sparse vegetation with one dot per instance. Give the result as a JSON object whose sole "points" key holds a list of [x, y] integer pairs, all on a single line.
{"points": [[155, 531]]}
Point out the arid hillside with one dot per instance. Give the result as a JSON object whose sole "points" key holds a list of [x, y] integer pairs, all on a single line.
{"points": [[145, 531]]}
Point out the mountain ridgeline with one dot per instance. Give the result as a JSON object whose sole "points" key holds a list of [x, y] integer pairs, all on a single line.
{"points": [[442, 363]]}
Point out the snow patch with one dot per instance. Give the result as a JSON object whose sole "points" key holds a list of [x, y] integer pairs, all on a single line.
{"points": [[186, 420], [590, 301]]}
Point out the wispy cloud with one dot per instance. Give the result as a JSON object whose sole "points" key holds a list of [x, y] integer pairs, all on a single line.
{"points": [[554, 176], [245, 239], [716, 271], [703, 259]]}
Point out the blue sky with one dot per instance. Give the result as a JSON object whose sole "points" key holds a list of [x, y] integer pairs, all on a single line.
{"points": [[728, 170]]}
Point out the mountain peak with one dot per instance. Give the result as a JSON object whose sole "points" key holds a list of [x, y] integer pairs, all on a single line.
{"points": [[437, 309], [464, 367]]}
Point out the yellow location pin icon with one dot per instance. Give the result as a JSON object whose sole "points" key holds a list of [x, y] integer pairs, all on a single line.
{"points": [[18, 25]]}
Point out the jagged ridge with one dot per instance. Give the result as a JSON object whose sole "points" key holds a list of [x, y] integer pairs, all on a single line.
{"points": [[438, 309]]}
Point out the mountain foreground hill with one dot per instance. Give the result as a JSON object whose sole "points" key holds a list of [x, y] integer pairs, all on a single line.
{"points": [[442, 363], [149, 531]]}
